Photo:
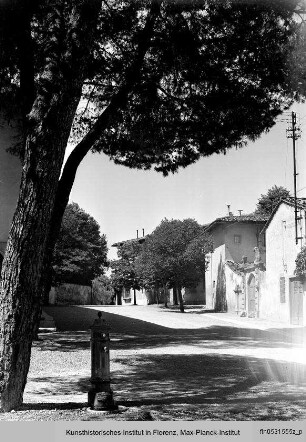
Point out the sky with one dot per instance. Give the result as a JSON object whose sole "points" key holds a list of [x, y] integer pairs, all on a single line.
{"points": [[123, 200]]}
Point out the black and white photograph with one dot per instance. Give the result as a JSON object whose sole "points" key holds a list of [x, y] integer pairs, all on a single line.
{"points": [[153, 219]]}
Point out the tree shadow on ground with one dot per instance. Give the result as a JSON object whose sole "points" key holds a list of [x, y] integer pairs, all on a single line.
{"points": [[53, 405], [65, 341], [210, 386], [224, 382], [64, 385], [126, 333], [150, 368], [215, 337]]}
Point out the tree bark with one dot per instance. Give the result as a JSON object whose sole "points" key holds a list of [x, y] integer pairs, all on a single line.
{"points": [[20, 306], [48, 129]]}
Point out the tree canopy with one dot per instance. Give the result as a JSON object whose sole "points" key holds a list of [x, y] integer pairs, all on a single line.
{"points": [[174, 255], [124, 273], [180, 79], [102, 290], [81, 251], [268, 201], [215, 75], [300, 264]]}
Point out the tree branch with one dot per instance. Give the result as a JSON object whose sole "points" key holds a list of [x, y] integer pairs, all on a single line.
{"points": [[118, 101], [26, 62]]}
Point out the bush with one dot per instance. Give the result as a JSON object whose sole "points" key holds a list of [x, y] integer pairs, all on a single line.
{"points": [[102, 290], [300, 264]]}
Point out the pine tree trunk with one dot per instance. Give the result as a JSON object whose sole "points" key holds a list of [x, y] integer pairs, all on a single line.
{"points": [[22, 267]]}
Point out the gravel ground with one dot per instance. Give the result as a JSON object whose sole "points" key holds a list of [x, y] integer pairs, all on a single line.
{"points": [[168, 366]]}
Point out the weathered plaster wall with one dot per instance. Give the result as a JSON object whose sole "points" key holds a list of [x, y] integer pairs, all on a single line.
{"points": [[225, 248], [235, 303], [249, 239], [281, 254], [141, 297], [261, 287], [211, 275]]}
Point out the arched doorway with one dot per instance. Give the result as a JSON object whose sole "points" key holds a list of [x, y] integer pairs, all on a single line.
{"points": [[251, 297]]}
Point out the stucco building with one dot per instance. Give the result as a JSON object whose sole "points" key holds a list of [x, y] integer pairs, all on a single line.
{"points": [[283, 296], [238, 255]]}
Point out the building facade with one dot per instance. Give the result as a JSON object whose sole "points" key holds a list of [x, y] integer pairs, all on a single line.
{"points": [[284, 295], [238, 247]]}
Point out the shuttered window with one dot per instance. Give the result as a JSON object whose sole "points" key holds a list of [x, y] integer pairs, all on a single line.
{"points": [[282, 288]]}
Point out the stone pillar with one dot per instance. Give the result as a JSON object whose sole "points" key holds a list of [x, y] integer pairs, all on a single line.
{"points": [[100, 395]]}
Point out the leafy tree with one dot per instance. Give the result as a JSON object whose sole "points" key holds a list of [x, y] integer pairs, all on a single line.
{"points": [[175, 255], [164, 83], [123, 269], [300, 264], [151, 273], [102, 290], [80, 252], [268, 201]]}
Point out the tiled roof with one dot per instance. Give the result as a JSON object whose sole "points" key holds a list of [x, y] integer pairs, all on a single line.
{"points": [[300, 202], [230, 219], [120, 243]]}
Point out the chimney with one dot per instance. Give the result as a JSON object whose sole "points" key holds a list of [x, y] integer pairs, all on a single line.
{"points": [[143, 232], [137, 233], [229, 208]]}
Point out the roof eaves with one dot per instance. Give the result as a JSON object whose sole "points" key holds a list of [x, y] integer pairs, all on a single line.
{"points": [[301, 204], [236, 219], [120, 243]]}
